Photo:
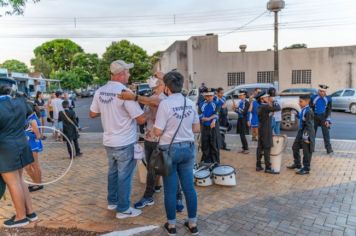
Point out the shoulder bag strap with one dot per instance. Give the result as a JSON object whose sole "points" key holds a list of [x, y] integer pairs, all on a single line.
{"points": [[70, 121], [175, 134]]}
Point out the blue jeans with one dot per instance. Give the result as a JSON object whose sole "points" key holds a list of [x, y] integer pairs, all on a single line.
{"points": [[276, 127], [121, 168], [183, 155]]}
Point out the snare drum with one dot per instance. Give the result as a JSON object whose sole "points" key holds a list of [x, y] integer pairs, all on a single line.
{"points": [[203, 178], [224, 175]]}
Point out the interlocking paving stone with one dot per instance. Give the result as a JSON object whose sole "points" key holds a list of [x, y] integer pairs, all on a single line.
{"points": [[323, 203]]}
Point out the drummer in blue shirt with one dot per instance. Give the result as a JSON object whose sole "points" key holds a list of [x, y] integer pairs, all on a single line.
{"points": [[209, 138], [224, 124], [321, 106]]}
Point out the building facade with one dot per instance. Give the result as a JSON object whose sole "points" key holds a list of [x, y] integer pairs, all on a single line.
{"points": [[200, 60]]}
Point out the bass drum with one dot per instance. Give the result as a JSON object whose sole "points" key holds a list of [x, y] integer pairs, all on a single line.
{"points": [[224, 175], [203, 178]]}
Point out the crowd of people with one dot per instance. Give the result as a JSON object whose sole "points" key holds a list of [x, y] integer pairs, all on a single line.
{"points": [[22, 132], [171, 122]]}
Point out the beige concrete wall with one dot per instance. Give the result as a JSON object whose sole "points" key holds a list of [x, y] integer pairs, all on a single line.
{"points": [[204, 63], [175, 57]]}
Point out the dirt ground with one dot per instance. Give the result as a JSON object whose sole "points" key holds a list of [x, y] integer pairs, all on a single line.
{"points": [[46, 232]]}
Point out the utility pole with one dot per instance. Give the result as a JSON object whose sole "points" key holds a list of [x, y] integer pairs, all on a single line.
{"points": [[276, 6], [350, 75]]}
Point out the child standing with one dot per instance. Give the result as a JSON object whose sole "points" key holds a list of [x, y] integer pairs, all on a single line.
{"points": [[305, 138], [209, 133], [70, 128], [34, 139]]}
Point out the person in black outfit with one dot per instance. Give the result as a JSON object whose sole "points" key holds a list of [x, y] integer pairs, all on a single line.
{"points": [[265, 141], [224, 124], [305, 138], [209, 132], [242, 110], [321, 106], [70, 128], [15, 155]]}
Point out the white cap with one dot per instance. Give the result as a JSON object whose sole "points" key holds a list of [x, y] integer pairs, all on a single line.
{"points": [[265, 95], [119, 65], [152, 82]]}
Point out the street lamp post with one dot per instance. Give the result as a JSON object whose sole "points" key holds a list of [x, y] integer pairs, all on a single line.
{"points": [[276, 6]]}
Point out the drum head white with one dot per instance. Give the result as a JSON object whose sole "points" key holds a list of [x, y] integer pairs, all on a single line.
{"points": [[223, 170], [202, 174]]}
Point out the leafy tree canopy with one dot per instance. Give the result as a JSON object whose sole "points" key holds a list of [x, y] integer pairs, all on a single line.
{"points": [[86, 61], [58, 53], [124, 50], [14, 7], [41, 65], [15, 66], [296, 46]]}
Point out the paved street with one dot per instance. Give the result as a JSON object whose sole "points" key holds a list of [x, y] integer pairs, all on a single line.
{"points": [[343, 123], [323, 203]]}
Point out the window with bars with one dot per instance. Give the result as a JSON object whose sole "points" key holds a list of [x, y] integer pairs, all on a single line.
{"points": [[301, 76], [265, 76], [235, 78]]}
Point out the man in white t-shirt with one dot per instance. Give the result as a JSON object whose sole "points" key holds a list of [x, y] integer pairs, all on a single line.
{"points": [[57, 107], [119, 120]]}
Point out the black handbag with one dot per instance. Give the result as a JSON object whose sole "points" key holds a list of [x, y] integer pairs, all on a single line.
{"points": [[161, 161]]}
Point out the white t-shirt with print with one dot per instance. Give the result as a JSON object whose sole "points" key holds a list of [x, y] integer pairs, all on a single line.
{"points": [[117, 116], [57, 107], [168, 118]]}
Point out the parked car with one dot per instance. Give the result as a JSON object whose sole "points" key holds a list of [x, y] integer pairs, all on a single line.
{"points": [[289, 103], [298, 91], [344, 100], [143, 89]]}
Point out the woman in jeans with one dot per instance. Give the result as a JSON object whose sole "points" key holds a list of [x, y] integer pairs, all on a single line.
{"points": [[182, 151], [15, 154]]}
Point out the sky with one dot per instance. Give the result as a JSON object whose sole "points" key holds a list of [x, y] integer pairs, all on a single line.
{"points": [[156, 24]]}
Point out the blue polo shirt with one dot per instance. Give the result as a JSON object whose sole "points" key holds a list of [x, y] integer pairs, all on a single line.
{"points": [[208, 109], [320, 103]]}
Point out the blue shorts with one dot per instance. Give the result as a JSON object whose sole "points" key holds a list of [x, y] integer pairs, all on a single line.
{"points": [[35, 145], [43, 113]]}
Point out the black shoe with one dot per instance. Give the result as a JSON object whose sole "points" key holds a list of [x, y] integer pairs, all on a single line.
{"points": [[34, 188], [170, 231], [329, 151], [11, 223], [302, 172], [226, 149], [270, 171], [31, 217], [193, 230], [293, 166], [259, 168], [79, 154], [158, 189]]}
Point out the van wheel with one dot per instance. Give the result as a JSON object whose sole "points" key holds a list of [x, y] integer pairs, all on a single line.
{"points": [[287, 123], [353, 108]]}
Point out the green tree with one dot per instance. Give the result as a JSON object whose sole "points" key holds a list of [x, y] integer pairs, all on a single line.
{"points": [[155, 58], [296, 46], [58, 53], [14, 7], [124, 50], [41, 65], [86, 61], [69, 79], [15, 66]]}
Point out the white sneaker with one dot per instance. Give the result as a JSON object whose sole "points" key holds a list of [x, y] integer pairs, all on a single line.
{"points": [[131, 212], [112, 207]]}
